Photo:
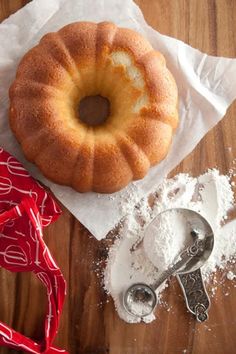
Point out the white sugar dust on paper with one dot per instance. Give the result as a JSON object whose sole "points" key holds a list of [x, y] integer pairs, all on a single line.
{"points": [[209, 194]]}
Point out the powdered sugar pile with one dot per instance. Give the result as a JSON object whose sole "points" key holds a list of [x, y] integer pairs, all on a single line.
{"points": [[167, 236], [132, 259]]}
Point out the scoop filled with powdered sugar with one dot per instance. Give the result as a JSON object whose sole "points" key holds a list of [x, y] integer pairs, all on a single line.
{"points": [[166, 237]]}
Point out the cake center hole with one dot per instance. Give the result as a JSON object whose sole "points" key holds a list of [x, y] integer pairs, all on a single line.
{"points": [[94, 110]]}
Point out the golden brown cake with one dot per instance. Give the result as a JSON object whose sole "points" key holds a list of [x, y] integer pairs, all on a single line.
{"points": [[88, 59]]}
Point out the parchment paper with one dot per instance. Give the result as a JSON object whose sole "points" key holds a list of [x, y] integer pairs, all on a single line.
{"points": [[206, 86]]}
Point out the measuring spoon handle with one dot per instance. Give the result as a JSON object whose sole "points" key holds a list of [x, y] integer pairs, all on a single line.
{"points": [[196, 297]]}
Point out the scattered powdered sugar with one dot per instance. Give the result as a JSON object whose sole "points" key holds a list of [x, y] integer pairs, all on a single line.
{"points": [[134, 258], [230, 275]]}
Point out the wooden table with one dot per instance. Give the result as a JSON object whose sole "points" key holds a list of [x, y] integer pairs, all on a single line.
{"points": [[90, 324]]}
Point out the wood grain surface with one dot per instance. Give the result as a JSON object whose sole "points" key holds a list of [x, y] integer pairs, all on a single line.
{"points": [[89, 323]]}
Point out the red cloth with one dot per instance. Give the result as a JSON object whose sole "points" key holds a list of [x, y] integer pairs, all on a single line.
{"points": [[25, 208]]}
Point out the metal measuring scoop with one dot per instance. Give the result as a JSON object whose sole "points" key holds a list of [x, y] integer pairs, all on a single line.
{"points": [[140, 299]]}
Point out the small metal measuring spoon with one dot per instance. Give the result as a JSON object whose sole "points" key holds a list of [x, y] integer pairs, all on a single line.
{"points": [[140, 299]]}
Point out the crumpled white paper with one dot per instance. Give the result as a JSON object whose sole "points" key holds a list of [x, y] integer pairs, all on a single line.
{"points": [[206, 89]]}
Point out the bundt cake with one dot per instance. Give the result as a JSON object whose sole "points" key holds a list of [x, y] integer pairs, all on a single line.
{"points": [[87, 59]]}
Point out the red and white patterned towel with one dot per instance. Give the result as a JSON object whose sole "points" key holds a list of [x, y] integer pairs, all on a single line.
{"points": [[25, 208]]}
